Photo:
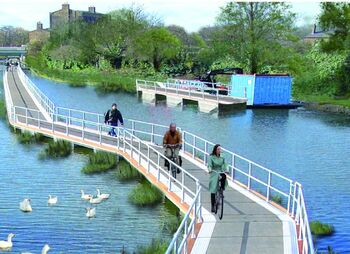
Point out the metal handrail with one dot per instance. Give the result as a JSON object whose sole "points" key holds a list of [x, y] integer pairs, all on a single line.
{"points": [[43, 100], [129, 139], [295, 205]]}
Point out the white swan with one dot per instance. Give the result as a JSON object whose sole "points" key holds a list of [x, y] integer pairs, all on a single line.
{"points": [[95, 200], [7, 245], [52, 200], [85, 196], [103, 196], [90, 212], [44, 250], [25, 205]]}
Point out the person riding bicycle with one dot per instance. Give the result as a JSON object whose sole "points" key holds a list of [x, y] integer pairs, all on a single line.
{"points": [[216, 167], [172, 141]]}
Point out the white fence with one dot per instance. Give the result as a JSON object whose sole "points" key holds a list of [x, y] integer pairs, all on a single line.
{"points": [[244, 171]]}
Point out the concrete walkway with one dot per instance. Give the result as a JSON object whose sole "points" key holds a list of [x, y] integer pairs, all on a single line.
{"points": [[246, 226]]}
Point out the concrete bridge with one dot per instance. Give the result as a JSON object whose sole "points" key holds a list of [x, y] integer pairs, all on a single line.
{"points": [[16, 52], [252, 222], [208, 99]]}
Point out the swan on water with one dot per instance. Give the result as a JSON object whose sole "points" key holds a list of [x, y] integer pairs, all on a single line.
{"points": [[25, 205], [103, 195], [95, 200], [85, 196], [7, 245], [52, 200], [44, 250], [90, 212]]}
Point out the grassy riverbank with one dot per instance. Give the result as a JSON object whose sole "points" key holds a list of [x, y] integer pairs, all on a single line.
{"points": [[110, 80], [323, 99]]}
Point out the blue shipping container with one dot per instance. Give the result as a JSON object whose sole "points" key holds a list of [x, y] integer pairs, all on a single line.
{"points": [[262, 89]]}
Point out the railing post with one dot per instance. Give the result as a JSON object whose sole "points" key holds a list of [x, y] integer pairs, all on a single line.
{"points": [[158, 166], [27, 116], [148, 156], [268, 187], [152, 135], [133, 128], [70, 116], [233, 167], [139, 152], [249, 175], [182, 186], [193, 147], [289, 198], [205, 152]]}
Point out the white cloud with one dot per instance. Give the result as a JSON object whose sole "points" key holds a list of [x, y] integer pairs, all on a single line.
{"points": [[191, 14]]}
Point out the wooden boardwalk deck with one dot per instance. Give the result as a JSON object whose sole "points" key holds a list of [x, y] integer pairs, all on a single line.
{"points": [[247, 227]]}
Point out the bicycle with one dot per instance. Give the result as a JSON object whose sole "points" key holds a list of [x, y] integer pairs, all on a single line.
{"points": [[173, 167], [219, 197]]}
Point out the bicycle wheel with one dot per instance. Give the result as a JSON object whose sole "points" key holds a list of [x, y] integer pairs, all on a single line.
{"points": [[217, 201], [221, 205]]}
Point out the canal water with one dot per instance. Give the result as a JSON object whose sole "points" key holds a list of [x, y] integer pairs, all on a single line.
{"points": [[64, 226], [307, 146]]}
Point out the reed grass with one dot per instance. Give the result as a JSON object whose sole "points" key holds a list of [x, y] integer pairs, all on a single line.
{"points": [[144, 194], [56, 149], [100, 162], [126, 172], [321, 229], [157, 246]]}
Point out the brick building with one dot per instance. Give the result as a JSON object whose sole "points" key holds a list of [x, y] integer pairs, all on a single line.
{"points": [[317, 34], [40, 34], [67, 15]]}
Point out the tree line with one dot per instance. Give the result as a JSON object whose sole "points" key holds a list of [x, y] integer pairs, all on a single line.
{"points": [[259, 37]]}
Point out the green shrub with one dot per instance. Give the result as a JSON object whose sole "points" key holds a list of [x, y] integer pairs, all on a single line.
{"points": [[126, 172], [2, 109], [277, 199], [171, 223], [155, 247], [144, 194], [29, 138], [100, 162], [321, 229], [56, 149]]}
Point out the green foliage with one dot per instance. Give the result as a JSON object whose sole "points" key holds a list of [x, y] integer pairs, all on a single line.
{"points": [[277, 199], [13, 36], [145, 194], [255, 33], [336, 17], [321, 229], [156, 45], [321, 73], [126, 172], [3, 111], [100, 162], [29, 138], [155, 247], [56, 149]]}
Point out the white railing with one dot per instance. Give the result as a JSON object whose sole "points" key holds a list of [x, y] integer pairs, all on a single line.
{"points": [[205, 93], [43, 100], [261, 181], [179, 243], [133, 145], [8, 98], [196, 84]]}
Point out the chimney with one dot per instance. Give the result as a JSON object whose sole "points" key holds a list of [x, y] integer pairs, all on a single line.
{"points": [[92, 9], [39, 26], [65, 6], [313, 29]]}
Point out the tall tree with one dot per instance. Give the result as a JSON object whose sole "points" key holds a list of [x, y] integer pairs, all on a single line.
{"points": [[255, 32], [13, 36], [336, 17], [156, 45]]}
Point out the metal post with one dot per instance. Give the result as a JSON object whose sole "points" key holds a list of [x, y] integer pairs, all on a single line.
{"points": [[249, 175], [268, 187], [70, 116], [100, 134], [152, 135], [182, 186], [233, 167], [205, 152], [133, 128], [289, 195], [139, 152], [158, 166], [148, 157], [193, 147], [27, 116]]}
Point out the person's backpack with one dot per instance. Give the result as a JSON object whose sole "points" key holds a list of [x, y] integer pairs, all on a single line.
{"points": [[107, 116]]}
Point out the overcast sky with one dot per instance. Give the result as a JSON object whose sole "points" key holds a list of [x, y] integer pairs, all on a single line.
{"points": [[191, 14]]}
